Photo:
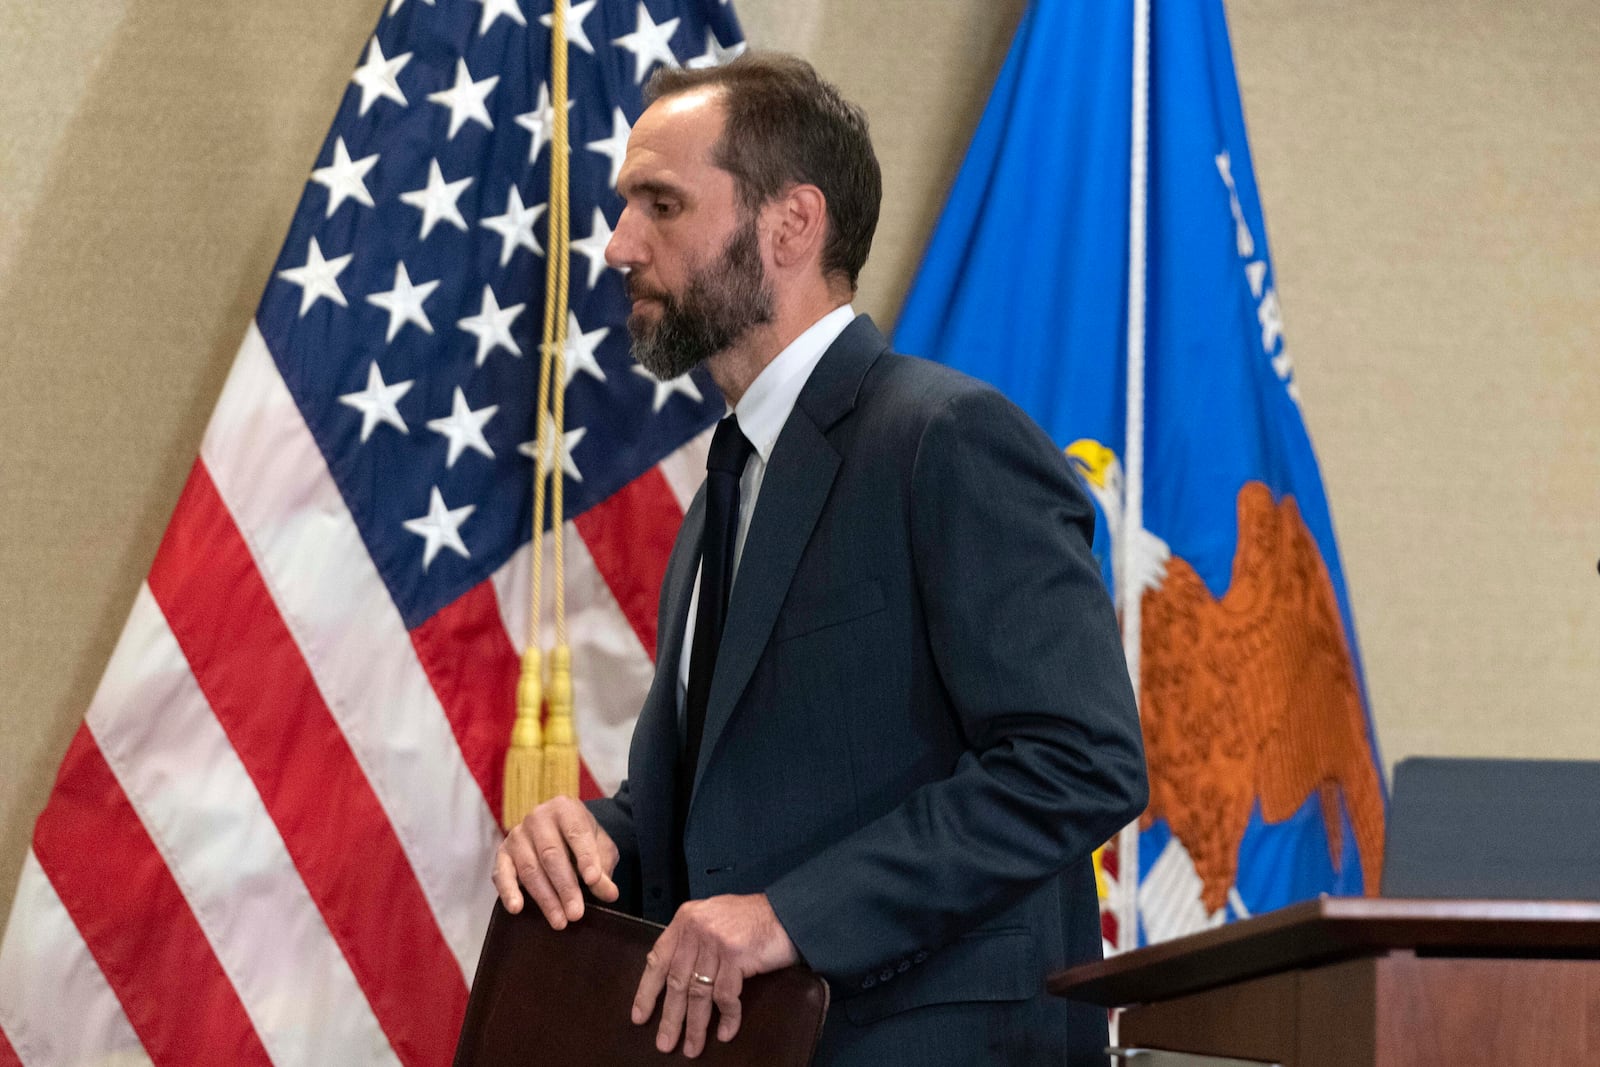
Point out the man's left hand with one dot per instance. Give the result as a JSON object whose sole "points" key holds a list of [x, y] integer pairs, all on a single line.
{"points": [[702, 959]]}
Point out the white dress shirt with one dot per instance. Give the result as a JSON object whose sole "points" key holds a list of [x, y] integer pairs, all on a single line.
{"points": [[762, 411]]}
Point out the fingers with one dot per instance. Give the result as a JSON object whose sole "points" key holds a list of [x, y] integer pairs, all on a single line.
{"points": [[555, 862], [654, 978], [725, 994], [675, 1002], [593, 852], [723, 939], [505, 880], [609, 857], [530, 870], [703, 977], [546, 853]]}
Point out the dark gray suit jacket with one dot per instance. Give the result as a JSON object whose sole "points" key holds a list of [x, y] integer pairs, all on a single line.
{"points": [[920, 725]]}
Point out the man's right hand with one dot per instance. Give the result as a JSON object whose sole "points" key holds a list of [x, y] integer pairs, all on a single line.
{"points": [[547, 853]]}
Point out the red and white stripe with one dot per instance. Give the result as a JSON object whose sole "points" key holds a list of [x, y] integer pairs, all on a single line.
{"points": [[55, 1003], [270, 840]]}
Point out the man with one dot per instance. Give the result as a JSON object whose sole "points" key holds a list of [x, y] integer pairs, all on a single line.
{"points": [[890, 750]]}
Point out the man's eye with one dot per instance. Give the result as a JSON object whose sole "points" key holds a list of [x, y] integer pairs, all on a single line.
{"points": [[664, 208]]}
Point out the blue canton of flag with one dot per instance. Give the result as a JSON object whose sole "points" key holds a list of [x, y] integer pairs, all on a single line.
{"points": [[406, 311], [1163, 343]]}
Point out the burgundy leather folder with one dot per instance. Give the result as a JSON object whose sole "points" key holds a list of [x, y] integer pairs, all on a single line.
{"points": [[562, 997]]}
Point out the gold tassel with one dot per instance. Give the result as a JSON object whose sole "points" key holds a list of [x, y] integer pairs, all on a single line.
{"points": [[544, 764], [561, 739], [524, 779]]}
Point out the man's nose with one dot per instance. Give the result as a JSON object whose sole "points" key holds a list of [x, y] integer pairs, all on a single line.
{"points": [[624, 251]]}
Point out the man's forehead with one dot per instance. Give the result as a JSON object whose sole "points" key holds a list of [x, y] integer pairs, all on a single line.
{"points": [[703, 99], [682, 126], [673, 140]]}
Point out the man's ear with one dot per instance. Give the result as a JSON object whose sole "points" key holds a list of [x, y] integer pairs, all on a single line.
{"points": [[797, 221]]}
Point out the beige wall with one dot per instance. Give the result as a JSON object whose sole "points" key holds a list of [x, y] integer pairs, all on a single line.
{"points": [[1428, 177]]}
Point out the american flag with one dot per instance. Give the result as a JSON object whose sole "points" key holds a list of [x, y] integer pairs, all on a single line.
{"points": [[271, 838]]}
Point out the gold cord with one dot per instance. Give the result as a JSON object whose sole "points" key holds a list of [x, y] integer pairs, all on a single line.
{"points": [[544, 763]]}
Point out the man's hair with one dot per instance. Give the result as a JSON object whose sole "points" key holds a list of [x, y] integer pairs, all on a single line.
{"points": [[786, 126]]}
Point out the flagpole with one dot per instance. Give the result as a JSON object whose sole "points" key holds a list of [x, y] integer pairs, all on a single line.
{"points": [[1133, 508]]}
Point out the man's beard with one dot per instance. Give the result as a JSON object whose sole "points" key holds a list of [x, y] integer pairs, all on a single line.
{"points": [[723, 301]]}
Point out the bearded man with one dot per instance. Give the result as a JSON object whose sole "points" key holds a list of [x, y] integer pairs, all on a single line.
{"points": [[890, 718]]}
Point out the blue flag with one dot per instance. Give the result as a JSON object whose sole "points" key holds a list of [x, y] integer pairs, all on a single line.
{"points": [[1215, 535]]}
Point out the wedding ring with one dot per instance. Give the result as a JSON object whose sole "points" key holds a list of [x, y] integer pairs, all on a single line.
{"points": [[703, 979]]}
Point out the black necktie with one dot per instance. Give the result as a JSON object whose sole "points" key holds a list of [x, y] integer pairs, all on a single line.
{"points": [[724, 465]]}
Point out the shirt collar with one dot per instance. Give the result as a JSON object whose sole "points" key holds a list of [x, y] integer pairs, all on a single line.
{"points": [[766, 405]]}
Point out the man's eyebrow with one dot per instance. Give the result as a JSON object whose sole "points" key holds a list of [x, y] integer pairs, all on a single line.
{"points": [[649, 187]]}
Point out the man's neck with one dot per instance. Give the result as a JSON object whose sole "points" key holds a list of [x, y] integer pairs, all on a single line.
{"points": [[736, 367]]}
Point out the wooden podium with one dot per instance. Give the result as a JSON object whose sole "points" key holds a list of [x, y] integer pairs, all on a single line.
{"points": [[1352, 982]]}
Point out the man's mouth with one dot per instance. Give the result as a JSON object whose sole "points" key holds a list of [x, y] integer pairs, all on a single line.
{"points": [[638, 292]]}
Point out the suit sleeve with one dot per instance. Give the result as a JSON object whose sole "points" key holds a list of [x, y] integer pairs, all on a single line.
{"points": [[1026, 644], [615, 816]]}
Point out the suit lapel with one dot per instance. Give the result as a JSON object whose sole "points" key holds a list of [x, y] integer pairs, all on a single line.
{"points": [[678, 585], [652, 773], [793, 491]]}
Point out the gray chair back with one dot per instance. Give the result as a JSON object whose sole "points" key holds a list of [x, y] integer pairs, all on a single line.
{"points": [[1494, 829]]}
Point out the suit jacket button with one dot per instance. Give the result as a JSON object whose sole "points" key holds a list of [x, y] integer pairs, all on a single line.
{"points": [[919, 957], [903, 966], [888, 973], [868, 982]]}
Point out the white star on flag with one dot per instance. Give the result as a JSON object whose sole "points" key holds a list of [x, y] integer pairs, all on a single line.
{"points": [[377, 403], [440, 528], [437, 201], [317, 278], [463, 428], [395, 5], [515, 227], [569, 441], [615, 146], [378, 77], [664, 389], [493, 9], [404, 302], [541, 121], [715, 55], [492, 326], [576, 13], [593, 247], [465, 99], [343, 177], [580, 350], [650, 43]]}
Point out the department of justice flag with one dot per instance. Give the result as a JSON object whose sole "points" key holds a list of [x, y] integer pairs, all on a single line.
{"points": [[1265, 782], [270, 840]]}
